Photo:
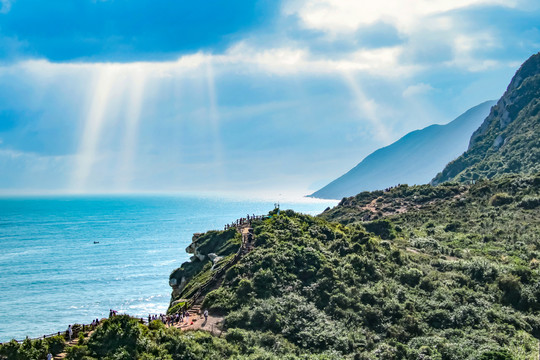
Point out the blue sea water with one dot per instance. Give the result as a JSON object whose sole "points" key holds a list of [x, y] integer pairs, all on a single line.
{"points": [[52, 273]]}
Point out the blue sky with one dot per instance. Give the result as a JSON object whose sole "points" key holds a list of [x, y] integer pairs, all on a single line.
{"points": [[258, 96]]}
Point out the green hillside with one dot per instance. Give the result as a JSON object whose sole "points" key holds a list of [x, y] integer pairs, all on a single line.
{"points": [[508, 141], [447, 272]]}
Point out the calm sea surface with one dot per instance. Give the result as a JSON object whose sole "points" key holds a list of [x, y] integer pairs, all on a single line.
{"points": [[52, 274]]}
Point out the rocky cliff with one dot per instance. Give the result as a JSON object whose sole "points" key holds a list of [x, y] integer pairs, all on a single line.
{"points": [[508, 140]]}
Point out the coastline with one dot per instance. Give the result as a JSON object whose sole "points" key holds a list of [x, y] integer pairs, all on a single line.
{"points": [[141, 240]]}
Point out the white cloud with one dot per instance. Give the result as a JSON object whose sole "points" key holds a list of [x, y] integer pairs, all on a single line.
{"points": [[338, 16], [433, 33], [382, 62], [240, 58], [417, 89]]}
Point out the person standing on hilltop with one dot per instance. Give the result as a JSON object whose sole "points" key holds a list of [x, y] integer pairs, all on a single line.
{"points": [[70, 332]]}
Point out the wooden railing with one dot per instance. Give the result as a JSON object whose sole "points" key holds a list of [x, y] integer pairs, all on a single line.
{"points": [[77, 328]]}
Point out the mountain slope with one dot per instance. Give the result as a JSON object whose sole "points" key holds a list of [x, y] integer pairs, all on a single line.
{"points": [[508, 140], [448, 272], [413, 159]]}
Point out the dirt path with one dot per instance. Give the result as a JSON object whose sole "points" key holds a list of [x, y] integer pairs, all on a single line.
{"points": [[212, 325], [447, 257], [71, 343]]}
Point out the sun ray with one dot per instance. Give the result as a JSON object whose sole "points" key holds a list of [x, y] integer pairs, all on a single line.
{"points": [[137, 80], [214, 117], [368, 108], [93, 127]]}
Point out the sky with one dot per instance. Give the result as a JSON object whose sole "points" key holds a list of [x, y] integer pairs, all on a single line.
{"points": [[106, 96]]}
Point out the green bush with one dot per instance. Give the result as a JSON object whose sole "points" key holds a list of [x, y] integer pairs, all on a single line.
{"points": [[118, 332], [497, 355], [411, 276], [383, 228], [78, 352], [529, 203], [56, 344], [500, 199]]}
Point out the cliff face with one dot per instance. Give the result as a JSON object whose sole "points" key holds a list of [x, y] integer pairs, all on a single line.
{"points": [[507, 141], [208, 250], [413, 159]]}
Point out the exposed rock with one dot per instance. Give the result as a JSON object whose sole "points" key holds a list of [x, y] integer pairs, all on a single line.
{"points": [[212, 256], [177, 288], [216, 260], [192, 248], [201, 257], [498, 142]]}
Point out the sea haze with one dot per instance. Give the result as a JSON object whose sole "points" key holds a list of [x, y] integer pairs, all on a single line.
{"points": [[53, 274]]}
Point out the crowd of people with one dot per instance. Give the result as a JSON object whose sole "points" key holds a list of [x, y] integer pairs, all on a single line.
{"points": [[171, 320], [183, 317], [243, 221], [391, 187]]}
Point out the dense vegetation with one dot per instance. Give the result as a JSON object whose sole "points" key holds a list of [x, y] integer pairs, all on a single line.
{"points": [[32, 349], [507, 142], [452, 275], [446, 272]]}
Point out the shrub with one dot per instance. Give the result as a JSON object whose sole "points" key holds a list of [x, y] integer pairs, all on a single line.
{"points": [[245, 288], [529, 203], [56, 344], [496, 355], [78, 352], [500, 199], [411, 277], [482, 270], [452, 227], [511, 288], [116, 333], [383, 228]]}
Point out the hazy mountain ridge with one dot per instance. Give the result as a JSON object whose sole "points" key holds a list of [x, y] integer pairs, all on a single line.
{"points": [[413, 159], [507, 141]]}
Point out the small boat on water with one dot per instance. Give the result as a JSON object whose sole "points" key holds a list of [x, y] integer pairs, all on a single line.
{"points": [[96, 242]]}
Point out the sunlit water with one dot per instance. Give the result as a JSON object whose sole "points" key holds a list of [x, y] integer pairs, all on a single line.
{"points": [[52, 273]]}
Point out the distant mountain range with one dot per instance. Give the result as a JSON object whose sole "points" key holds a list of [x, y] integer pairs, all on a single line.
{"points": [[508, 141], [413, 159]]}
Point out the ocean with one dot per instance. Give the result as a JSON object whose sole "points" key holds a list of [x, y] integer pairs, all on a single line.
{"points": [[69, 259]]}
